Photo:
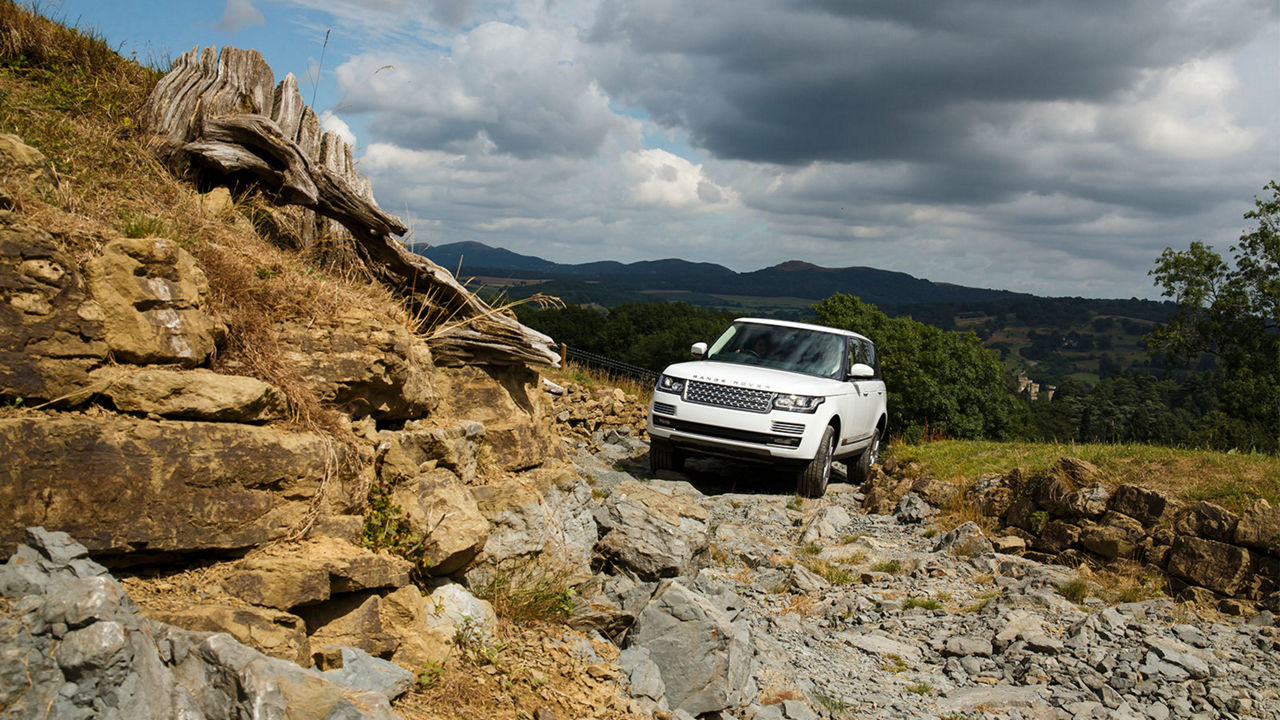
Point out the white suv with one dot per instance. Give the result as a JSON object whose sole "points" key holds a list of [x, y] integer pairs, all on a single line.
{"points": [[777, 392]]}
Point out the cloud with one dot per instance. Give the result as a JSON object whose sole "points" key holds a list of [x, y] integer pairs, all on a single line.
{"points": [[333, 123], [238, 15], [515, 88]]}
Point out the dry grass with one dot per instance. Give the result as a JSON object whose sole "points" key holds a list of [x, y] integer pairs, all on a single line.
{"points": [[1229, 479], [65, 92], [514, 675], [596, 379]]}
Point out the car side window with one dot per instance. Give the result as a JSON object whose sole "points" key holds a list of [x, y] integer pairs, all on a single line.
{"points": [[872, 359], [862, 351]]}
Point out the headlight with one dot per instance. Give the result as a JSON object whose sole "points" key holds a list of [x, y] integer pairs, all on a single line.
{"points": [[797, 403], [666, 383]]}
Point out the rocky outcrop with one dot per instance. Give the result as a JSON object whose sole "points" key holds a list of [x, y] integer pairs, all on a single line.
{"points": [[653, 534], [544, 514], [511, 405], [362, 364], [420, 447], [158, 487], [75, 646], [51, 333], [271, 632], [189, 394], [441, 509], [153, 296]]}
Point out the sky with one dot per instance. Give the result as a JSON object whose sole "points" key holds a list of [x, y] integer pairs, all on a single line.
{"points": [[1047, 146]]}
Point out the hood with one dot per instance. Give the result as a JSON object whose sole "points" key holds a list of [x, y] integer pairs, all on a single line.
{"points": [[759, 378]]}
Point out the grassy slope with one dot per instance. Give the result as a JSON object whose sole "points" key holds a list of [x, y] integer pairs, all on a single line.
{"points": [[1229, 479]]}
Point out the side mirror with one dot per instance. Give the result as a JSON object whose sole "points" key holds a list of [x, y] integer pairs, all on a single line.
{"points": [[861, 371], [698, 349]]}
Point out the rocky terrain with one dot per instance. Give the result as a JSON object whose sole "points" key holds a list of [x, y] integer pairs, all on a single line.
{"points": [[241, 479]]}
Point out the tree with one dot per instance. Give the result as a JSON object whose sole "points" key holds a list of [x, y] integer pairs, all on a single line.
{"points": [[1232, 312], [937, 380]]}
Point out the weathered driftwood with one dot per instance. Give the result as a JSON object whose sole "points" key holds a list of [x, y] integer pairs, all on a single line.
{"points": [[221, 111]]}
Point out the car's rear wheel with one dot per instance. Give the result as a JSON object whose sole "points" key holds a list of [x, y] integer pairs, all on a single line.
{"points": [[663, 455], [812, 480], [861, 468]]}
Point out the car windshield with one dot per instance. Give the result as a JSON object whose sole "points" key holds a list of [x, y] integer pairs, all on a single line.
{"points": [[801, 350]]}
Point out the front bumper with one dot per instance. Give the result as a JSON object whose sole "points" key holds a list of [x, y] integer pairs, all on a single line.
{"points": [[777, 434]]}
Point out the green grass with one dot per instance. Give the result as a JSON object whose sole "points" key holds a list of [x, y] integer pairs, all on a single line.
{"points": [[1075, 590], [1233, 480], [919, 602], [887, 566]]}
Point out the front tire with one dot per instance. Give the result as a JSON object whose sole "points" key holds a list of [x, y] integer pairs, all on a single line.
{"points": [[861, 468], [663, 455], [812, 480]]}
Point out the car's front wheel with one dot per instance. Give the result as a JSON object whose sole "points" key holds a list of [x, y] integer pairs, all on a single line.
{"points": [[812, 480], [861, 468], [663, 455]]}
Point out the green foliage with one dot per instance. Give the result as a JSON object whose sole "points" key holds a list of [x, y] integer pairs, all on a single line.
{"points": [[921, 688], [795, 503], [939, 382], [429, 674], [1231, 311], [887, 566], [141, 225], [650, 335], [1039, 519], [387, 528]]}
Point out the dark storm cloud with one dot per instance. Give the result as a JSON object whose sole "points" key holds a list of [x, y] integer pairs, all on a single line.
{"points": [[848, 81]]}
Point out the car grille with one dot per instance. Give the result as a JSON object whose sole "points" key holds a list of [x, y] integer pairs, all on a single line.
{"points": [[664, 409], [788, 428], [728, 396]]}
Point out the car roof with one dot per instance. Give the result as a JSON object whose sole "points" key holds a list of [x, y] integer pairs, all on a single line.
{"points": [[803, 326]]}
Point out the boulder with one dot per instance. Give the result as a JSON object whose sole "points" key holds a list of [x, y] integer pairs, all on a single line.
{"points": [[1208, 520], [75, 647], [653, 534], [912, 509], [358, 670], [283, 583], [883, 493], [352, 568], [1259, 527], [271, 632], [544, 512], [1053, 493], [419, 448], [703, 651], [1146, 506], [152, 296], [1088, 502], [612, 606], [1107, 541], [512, 407], [991, 495], [935, 492], [1077, 471], [189, 394], [25, 164], [1023, 513], [1218, 566], [967, 539], [738, 542], [441, 509], [167, 486], [51, 334], [1058, 535], [826, 525], [355, 620], [421, 638], [367, 364]]}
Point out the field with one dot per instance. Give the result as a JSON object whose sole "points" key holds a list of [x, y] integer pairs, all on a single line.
{"points": [[1232, 480]]}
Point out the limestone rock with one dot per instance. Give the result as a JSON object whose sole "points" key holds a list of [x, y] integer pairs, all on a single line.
{"points": [[1259, 527], [421, 638], [512, 407], [283, 583], [1107, 541], [360, 671], [1211, 564], [274, 633], [440, 508], [364, 363], [352, 568], [740, 543], [937, 493], [705, 657], [1053, 493], [1208, 520], [75, 647], [546, 511], [912, 509], [1077, 471], [1088, 502], [51, 335], [991, 495], [883, 494], [653, 534], [167, 486], [1146, 506], [21, 162], [418, 448], [1057, 536], [152, 296], [190, 394], [354, 619], [967, 539], [825, 526]]}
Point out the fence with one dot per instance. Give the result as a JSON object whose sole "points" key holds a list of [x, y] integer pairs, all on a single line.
{"points": [[607, 365]]}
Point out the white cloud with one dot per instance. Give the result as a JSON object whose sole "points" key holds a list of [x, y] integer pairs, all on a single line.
{"points": [[333, 123], [238, 15]]}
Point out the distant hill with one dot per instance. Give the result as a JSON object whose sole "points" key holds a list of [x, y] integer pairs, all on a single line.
{"points": [[794, 279]]}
